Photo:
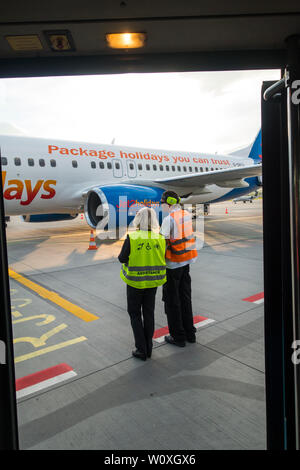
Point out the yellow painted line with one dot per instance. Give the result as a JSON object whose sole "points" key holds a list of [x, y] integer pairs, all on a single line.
{"points": [[53, 297], [24, 357], [37, 342], [16, 313]]}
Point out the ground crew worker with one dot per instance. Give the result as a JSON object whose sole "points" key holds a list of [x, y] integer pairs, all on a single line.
{"points": [[143, 270], [181, 252]]}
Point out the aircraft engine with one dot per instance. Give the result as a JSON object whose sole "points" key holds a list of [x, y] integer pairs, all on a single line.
{"points": [[115, 206]]}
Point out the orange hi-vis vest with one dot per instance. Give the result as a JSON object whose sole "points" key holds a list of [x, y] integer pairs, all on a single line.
{"points": [[182, 248]]}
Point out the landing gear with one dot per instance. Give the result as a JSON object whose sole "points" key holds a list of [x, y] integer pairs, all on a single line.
{"points": [[199, 210], [206, 209]]}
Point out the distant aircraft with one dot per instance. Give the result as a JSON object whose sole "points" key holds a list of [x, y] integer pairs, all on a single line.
{"points": [[50, 179], [245, 199]]}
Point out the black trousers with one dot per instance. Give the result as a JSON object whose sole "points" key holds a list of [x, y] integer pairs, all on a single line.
{"points": [[177, 295], [140, 307]]}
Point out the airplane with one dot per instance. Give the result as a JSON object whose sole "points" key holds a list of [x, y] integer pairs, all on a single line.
{"points": [[52, 180], [244, 199]]}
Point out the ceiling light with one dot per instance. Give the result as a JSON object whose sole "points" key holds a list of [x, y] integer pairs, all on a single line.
{"points": [[126, 40]]}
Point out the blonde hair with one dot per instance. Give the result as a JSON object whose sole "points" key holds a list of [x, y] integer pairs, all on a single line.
{"points": [[146, 219]]}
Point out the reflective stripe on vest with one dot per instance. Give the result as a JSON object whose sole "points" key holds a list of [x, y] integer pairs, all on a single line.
{"points": [[146, 266], [153, 277], [182, 248]]}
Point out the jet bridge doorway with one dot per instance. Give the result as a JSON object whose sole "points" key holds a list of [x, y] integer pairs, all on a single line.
{"points": [[281, 209], [281, 169]]}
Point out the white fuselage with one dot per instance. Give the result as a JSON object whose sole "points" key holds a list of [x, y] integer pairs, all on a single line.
{"points": [[51, 176]]}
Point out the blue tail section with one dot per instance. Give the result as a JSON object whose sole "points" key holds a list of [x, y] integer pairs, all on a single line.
{"points": [[256, 150], [255, 182]]}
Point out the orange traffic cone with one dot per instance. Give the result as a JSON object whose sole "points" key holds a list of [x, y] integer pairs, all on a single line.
{"points": [[92, 245], [226, 211]]}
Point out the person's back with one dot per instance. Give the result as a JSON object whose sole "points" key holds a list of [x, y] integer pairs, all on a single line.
{"points": [[143, 270], [181, 246], [146, 266], [181, 252]]}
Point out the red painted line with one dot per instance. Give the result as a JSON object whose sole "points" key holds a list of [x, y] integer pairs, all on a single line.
{"points": [[255, 297], [161, 332], [42, 375], [165, 330], [198, 318]]}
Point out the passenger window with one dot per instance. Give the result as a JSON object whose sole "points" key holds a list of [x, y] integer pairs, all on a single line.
{"points": [[101, 165], [140, 166], [179, 168], [17, 161], [190, 169], [131, 166], [3, 161], [41, 162], [109, 166], [196, 169], [30, 162], [167, 167], [147, 166], [93, 165], [206, 169], [154, 167], [184, 168], [173, 168], [161, 167], [53, 163], [74, 164], [117, 165], [201, 169]]}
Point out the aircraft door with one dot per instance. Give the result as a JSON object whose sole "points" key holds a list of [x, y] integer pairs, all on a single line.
{"points": [[131, 169], [281, 170], [117, 168]]}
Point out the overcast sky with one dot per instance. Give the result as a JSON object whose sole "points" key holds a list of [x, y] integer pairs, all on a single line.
{"points": [[203, 111]]}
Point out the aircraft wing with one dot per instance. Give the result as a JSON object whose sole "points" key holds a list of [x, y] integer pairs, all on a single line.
{"points": [[232, 177]]}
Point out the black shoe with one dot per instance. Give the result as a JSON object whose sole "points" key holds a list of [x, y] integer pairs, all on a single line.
{"points": [[169, 339], [192, 339], [149, 348], [139, 355]]}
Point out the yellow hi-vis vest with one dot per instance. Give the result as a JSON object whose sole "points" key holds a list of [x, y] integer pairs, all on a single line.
{"points": [[146, 266]]}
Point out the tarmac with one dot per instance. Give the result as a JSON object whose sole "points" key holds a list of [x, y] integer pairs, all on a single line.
{"points": [[78, 386]]}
